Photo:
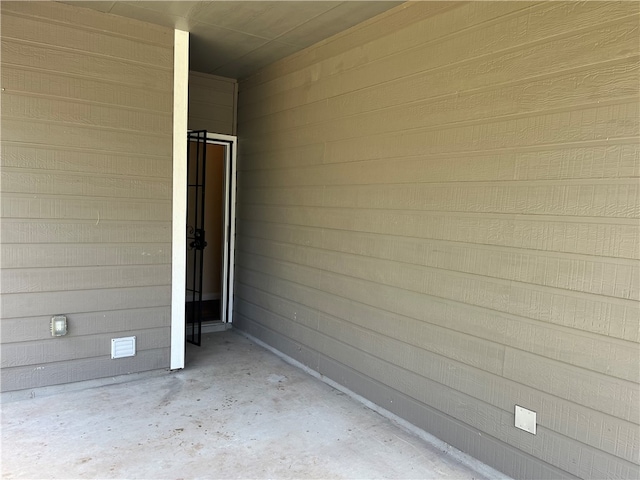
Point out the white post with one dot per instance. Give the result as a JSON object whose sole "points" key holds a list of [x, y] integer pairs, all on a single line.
{"points": [[179, 218]]}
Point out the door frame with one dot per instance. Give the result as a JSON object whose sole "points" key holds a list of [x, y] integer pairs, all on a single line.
{"points": [[230, 143], [179, 259]]}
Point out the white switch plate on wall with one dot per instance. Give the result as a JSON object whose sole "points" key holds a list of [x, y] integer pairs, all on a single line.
{"points": [[526, 419]]}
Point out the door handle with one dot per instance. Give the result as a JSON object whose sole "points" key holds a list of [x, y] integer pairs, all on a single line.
{"points": [[198, 242]]}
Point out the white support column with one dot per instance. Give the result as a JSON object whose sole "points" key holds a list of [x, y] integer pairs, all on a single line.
{"points": [[179, 218]]}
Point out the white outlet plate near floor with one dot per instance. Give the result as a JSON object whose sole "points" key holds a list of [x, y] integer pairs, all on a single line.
{"points": [[526, 419]]}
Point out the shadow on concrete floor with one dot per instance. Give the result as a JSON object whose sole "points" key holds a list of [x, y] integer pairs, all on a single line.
{"points": [[236, 411]]}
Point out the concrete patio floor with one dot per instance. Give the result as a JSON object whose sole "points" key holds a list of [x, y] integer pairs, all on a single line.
{"points": [[236, 411]]}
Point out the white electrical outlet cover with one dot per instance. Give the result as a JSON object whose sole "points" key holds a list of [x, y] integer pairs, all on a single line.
{"points": [[526, 420]]}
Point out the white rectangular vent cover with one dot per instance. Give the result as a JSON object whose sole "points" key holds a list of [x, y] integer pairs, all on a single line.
{"points": [[123, 347]]}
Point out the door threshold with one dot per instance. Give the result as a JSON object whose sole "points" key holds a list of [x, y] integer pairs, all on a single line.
{"points": [[215, 326]]}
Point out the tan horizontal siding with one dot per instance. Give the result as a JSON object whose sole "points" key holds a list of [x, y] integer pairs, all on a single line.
{"points": [[439, 209], [445, 427], [602, 276], [448, 320], [602, 237], [215, 125], [212, 103], [44, 132], [83, 278], [589, 43], [85, 19], [43, 303], [46, 32], [580, 126], [53, 158], [608, 198], [547, 163], [88, 231], [65, 85], [39, 108], [490, 420], [409, 109], [22, 256], [18, 53], [27, 329], [81, 369], [78, 347], [375, 286], [83, 184], [96, 208], [86, 192], [405, 25]]}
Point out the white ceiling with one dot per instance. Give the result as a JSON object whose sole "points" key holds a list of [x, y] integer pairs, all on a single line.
{"points": [[237, 38]]}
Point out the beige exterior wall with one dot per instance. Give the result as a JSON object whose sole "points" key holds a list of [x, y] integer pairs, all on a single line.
{"points": [[86, 192], [212, 103], [439, 210]]}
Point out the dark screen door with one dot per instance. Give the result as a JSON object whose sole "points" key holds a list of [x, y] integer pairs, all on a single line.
{"points": [[196, 171]]}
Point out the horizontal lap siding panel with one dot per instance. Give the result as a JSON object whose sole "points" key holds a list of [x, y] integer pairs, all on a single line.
{"points": [[596, 160], [307, 155], [89, 20], [99, 91], [596, 391], [618, 81], [113, 140], [611, 123], [212, 89], [606, 316], [615, 122], [402, 93], [22, 205], [368, 335], [604, 237], [447, 65], [83, 278], [558, 163], [412, 34], [15, 231], [61, 60], [29, 329], [81, 160], [21, 181], [444, 218], [73, 347], [443, 426], [610, 277], [296, 68], [447, 320], [607, 429], [82, 301], [82, 369], [77, 38], [215, 125], [589, 198], [86, 177], [212, 103], [199, 111], [24, 256], [479, 415], [36, 108]]}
